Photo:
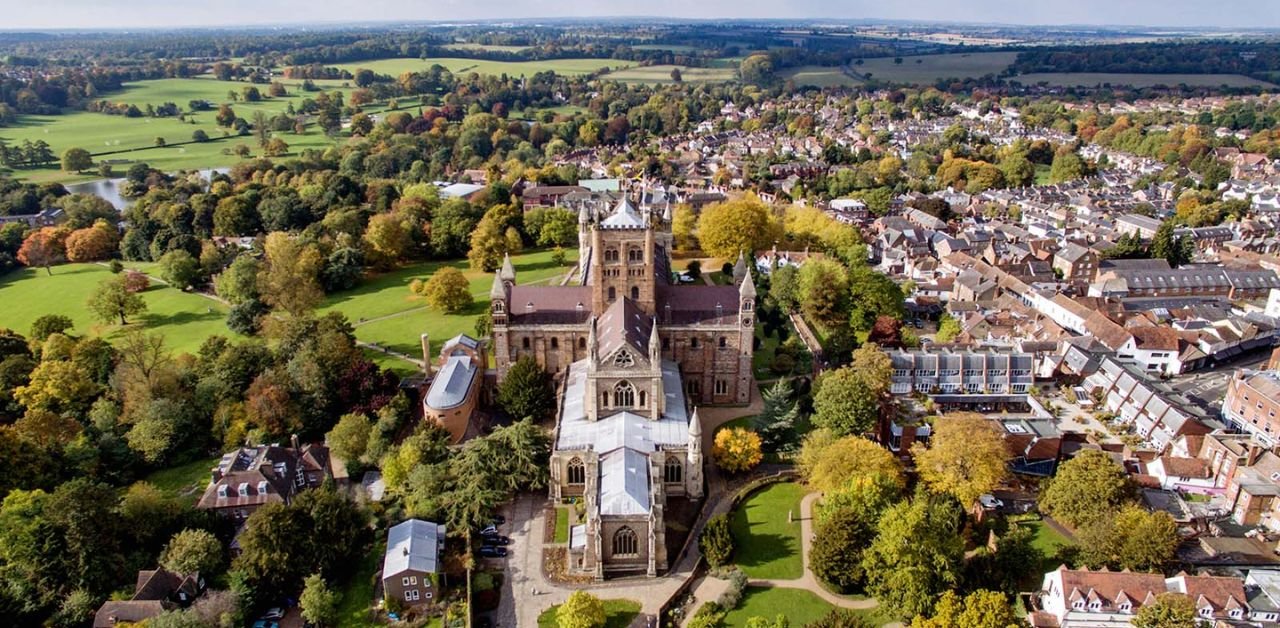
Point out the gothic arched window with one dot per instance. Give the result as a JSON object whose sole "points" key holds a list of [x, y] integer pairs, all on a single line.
{"points": [[673, 471], [624, 394], [611, 255], [625, 542], [577, 471], [613, 294], [635, 293], [634, 255]]}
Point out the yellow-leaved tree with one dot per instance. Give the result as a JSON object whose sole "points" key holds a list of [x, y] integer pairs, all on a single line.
{"points": [[737, 449], [966, 458]]}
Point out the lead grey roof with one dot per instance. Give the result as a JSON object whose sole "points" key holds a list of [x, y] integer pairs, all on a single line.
{"points": [[623, 323], [624, 429], [624, 483], [452, 383], [624, 216], [413, 545]]}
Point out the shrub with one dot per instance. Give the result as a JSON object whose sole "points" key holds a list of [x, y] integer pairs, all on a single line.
{"points": [[716, 541], [732, 596]]}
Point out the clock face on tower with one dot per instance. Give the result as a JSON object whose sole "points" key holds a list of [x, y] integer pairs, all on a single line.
{"points": [[746, 321]]}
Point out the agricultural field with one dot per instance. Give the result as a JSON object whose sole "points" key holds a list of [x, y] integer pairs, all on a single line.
{"points": [[1092, 79], [819, 76], [128, 140], [926, 69], [568, 67], [662, 74], [486, 47], [669, 47], [184, 319]]}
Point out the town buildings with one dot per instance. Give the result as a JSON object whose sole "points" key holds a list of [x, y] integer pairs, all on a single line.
{"points": [[247, 478], [412, 561]]}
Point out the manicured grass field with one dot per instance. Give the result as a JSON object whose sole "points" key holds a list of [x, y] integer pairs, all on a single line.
{"points": [[662, 74], [618, 614], [185, 481], [567, 67], [403, 316], [562, 524], [357, 595], [819, 76], [767, 545], [184, 319], [925, 69], [801, 607], [1091, 79]]}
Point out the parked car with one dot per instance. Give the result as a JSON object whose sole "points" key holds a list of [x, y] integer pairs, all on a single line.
{"points": [[489, 551], [685, 278], [273, 613], [990, 502], [489, 531], [497, 540], [266, 623]]}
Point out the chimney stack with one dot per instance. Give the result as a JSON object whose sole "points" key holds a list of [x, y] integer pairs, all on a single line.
{"points": [[426, 354]]}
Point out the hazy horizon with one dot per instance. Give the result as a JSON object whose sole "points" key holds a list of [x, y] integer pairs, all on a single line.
{"points": [[118, 14]]}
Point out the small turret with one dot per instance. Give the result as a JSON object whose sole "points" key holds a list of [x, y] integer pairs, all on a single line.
{"points": [[740, 268], [584, 215], [508, 272], [591, 344], [655, 346], [693, 479], [747, 289], [499, 289]]}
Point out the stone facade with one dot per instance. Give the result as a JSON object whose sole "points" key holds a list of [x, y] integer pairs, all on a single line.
{"points": [[633, 353]]}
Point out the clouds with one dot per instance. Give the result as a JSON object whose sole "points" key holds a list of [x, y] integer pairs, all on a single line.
{"points": [[169, 13]]}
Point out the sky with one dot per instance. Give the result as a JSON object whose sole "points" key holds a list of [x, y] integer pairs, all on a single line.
{"points": [[58, 14]]}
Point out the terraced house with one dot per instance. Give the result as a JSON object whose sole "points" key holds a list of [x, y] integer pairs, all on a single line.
{"points": [[633, 353]]}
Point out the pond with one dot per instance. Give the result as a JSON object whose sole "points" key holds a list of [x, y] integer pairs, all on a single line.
{"points": [[109, 189]]}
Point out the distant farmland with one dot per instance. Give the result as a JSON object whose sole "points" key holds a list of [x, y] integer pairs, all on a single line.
{"points": [[927, 69], [567, 67], [1094, 79], [662, 74], [819, 76]]}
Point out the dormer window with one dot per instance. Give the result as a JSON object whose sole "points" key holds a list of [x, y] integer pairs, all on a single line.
{"points": [[262, 487], [244, 489], [1125, 607], [1095, 605], [222, 490], [1078, 605], [1206, 611]]}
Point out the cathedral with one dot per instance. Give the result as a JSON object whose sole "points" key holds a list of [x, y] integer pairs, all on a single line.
{"points": [[633, 354]]}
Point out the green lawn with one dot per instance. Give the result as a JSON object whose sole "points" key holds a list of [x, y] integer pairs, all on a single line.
{"points": [[357, 595], [801, 607], [662, 74], [566, 67], [768, 546], [388, 295], [1045, 538], [185, 481], [101, 133], [562, 524], [618, 614], [184, 319]]}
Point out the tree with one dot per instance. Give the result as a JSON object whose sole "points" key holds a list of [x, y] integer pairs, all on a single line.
{"points": [[1177, 251], [112, 300], [76, 160], [847, 525], [1170, 610], [676, 76], [743, 225], [276, 147], [776, 422], [180, 269], [47, 325], [1067, 166], [684, 226], [44, 248], [979, 609], [916, 555], [966, 457], [1086, 489], [319, 603], [448, 291], [490, 241], [1131, 539], [737, 449], [238, 283], [94, 243], [829, 462], [872, 295], [757, 69], [193, 551], [948, 329], [845, 403], [349, 439], [290, 280], [581, 610], [386, 239], [824, 293], [225, 116], [840, 618], [526, 390], [716, 541]]}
